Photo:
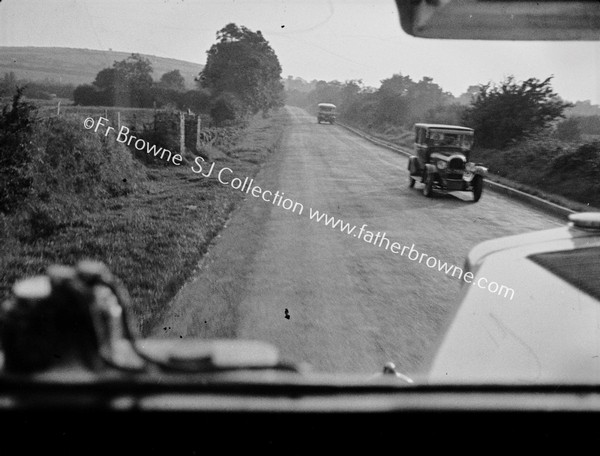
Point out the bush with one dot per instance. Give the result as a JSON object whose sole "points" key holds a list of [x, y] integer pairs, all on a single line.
{"points": [[583, 161], [16, 152], [511, 111], [226, 107], [88, 95], [568, 130], [72, 160], [163, 132]]}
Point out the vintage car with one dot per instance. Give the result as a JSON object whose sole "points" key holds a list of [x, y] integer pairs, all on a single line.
{"points": [[326, 113], [553, 275], [441, 160]]}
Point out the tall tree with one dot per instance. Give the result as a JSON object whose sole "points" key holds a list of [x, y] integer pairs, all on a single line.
{"points": [[512, 110], [243, 63]]}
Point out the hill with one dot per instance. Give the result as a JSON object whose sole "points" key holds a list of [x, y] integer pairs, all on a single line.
{"points": [[80, 66]]}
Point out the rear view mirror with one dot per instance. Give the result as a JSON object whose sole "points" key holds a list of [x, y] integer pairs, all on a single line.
{"points": [[501, 20]]}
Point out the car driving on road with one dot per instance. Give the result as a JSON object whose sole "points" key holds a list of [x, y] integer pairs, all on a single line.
{"points": [[326, 113], [441, 161]]}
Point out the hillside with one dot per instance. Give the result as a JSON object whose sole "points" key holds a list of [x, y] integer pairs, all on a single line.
{"points": [[79, 66]]}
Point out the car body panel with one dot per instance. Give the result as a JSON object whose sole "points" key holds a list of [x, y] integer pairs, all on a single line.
{"points": [[549, 332]]}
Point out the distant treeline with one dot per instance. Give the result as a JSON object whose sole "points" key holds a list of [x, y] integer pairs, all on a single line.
{"points": [[45, 90], [501, 113]]}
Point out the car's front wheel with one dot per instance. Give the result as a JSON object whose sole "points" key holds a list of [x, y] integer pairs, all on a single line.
{"points": [[477, 188], [428, 189]]}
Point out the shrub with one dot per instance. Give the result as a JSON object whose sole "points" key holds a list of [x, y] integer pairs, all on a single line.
{"points": [[163, 132], [568, 129], [16, 151], [73, 160], [226, 108], [583, 161]]}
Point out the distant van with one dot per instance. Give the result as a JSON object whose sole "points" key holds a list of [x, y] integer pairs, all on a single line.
{"points": [[326, 113]]}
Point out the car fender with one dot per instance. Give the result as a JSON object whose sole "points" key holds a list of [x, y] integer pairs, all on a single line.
{"points": [[413, 165], [430, 169], [480, 170]]}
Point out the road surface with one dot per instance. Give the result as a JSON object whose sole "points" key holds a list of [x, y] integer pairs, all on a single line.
{"points": [[328, 298]]}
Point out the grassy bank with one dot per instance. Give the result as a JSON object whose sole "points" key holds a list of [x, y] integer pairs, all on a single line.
{"points": [[392, 134], [562, 172], [152, 237]]}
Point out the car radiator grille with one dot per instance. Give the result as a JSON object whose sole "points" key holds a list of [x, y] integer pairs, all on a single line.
{"points": [[456, 163]]}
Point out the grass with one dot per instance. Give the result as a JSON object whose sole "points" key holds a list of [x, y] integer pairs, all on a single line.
{"points": [[392, 134], [152, 238], [561, 172]]}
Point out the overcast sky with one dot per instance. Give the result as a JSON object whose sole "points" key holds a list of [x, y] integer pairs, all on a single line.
{"points": [[314, 39]]}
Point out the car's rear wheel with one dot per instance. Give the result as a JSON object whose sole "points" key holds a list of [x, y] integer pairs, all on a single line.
{"points": [[411, 182], [477, 188], [428, 189]]}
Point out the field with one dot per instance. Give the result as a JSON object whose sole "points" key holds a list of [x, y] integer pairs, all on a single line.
{"points": [[80, 66]]}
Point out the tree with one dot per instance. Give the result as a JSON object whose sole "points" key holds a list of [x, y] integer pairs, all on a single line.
{"points": [[392, 100], [510, 111], [127, 83], [173, 80], [133, 81], [244, 64]]}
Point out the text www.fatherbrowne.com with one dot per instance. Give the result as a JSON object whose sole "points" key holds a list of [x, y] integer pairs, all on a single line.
{"points": [[381, 240]]}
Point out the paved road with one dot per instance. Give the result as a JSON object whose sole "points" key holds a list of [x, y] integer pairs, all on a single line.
{"points": [[325, 297]]}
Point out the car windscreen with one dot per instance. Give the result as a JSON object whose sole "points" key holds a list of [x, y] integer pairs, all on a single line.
{"points": [[182, 145]]}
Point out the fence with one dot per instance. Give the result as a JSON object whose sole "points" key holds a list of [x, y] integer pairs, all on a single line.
{"points": [[194, 132]]}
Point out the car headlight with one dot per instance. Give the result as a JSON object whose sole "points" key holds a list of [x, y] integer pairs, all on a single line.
{"points": [[441, 164]]}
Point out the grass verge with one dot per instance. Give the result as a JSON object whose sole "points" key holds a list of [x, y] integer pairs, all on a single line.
{"points": [[152, 238]]}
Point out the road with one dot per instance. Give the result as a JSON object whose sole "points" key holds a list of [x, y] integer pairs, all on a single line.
{"points": [[329, 298]]}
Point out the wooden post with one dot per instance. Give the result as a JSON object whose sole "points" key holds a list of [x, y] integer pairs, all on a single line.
{"points": [[58, 109], [198, 128], [181, 133]]}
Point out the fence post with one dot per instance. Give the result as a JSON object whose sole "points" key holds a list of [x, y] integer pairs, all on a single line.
{"points": [[198, 128], [181, 133], [58, 109]]}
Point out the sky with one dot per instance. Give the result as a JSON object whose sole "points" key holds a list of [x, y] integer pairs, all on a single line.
{"points": [[314, 39]]}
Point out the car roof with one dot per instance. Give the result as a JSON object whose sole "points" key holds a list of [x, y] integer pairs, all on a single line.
{"points": [[444, 127]]}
